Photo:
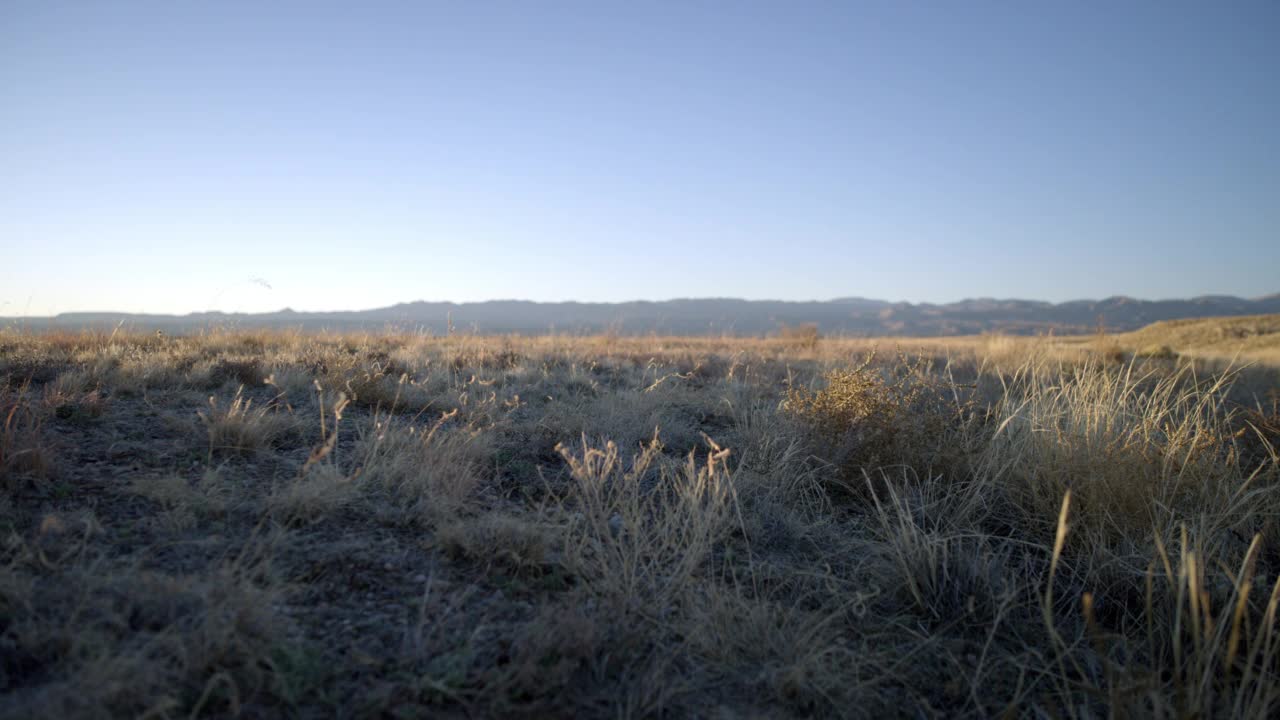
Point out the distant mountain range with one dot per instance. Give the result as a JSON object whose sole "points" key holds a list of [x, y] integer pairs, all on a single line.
{"points": [[843, 316]]}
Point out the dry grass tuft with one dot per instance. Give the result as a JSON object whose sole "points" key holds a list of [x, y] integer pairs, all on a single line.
{"points": [[209, 495], [314, 495], [1139, 452], [431, 471], [23, 448], [238, 427], [241, 370], [496, 537], [802, 337], [639, 532], [75, 396], [1205, 643]]}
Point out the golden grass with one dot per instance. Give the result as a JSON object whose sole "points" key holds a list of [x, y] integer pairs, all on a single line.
{"points": [[1137, 449], [1253, 338]]}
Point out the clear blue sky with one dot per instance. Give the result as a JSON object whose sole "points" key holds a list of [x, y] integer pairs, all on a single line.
{"points": [[157, 156]]}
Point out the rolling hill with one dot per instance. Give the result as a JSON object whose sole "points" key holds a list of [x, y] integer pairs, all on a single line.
{"points": [[843, 316]]}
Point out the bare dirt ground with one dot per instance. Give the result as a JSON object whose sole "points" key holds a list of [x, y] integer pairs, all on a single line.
{"points": [[266, 524]]}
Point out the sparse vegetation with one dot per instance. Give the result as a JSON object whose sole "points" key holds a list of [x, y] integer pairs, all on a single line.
{"points": [[23, 452], [868, 417], [239, 427], [805, 336], [238, 524]]}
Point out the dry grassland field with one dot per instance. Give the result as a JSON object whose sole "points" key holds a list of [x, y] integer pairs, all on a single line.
{"points": [[266, 524]]}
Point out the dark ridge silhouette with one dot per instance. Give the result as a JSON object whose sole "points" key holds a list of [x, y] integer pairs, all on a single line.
{"points": [[851, 316]]}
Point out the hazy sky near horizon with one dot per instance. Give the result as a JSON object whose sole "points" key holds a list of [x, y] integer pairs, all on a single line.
{"points": [[175, 156]]}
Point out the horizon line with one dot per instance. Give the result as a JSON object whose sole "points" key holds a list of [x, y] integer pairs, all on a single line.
{"points": [[843, 298]]}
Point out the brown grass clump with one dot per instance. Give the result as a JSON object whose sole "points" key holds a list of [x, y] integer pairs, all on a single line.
{"points": [[932, 561], [432, 471], [789, 653], [1204, 644], [1261, 427], [377, 390], [550, 653], [75, 396], [241, 370], [869, 417], [1137, 451], [23, 449], [639, 532], [496, 537], [183, 503], [321, 486], [802, 337], [238, 427], [313, 496]]}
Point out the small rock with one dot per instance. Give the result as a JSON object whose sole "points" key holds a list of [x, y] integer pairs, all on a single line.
{"points": [[419, 578]]}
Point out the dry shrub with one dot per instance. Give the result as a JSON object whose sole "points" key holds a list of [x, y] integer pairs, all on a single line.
{"points": [[1002, 350], [627, 416], [865, 418], [639, 534], [1214, 635], [461, 650], [73, 382], [321, 486], [467, 357], [788, 604]]}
